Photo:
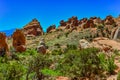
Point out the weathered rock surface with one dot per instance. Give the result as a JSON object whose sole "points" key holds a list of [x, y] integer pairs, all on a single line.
{"points": [[106, 44], [3, 45], [83, 44], [51, 29], [33, 28], [19, 41], [109, 20], [42, 48], [62, 78]]}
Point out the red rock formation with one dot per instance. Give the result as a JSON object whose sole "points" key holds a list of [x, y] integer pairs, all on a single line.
{"points": [[33, 28], [51, 28], [83, 20], [73, 21], [62, 23], [3, 45], [105, 44], [109, 20], [19, 41], [89, 24]]}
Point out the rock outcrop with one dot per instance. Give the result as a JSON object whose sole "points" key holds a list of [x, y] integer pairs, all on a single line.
{"points": [[42, 48], [3, 45], [109, 20], [51, 29], [33, 28], [83, 44], [19, 41], [105, 44], [62, 78], [89, 24]]}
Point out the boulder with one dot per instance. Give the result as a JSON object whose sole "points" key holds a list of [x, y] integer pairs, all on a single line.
{"points": [[19, 41], [83, 44], [42, 48], [33, 28]]}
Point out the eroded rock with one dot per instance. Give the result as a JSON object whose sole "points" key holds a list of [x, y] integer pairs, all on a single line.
{"points": [[19, 41], [33, 28], [3, 45]]}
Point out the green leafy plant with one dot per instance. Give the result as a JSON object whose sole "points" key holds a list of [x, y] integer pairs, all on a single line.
{"points": [[118, 76], [78, 64], [36, 65], [51, 72], [107, 63]]}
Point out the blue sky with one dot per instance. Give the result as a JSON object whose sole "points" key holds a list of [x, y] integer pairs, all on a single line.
{"points": [[17, 13]]}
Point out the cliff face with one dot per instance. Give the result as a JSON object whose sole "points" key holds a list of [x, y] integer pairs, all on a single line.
{"points": [[33, 28]]}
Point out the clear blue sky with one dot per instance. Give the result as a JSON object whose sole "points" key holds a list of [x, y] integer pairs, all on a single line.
{"points": [[17, 13]]}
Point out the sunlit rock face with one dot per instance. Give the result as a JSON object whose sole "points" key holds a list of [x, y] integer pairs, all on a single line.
{"points": [[33, 28], [89, 24], [19, 41], [109, 20], [3, 45]]}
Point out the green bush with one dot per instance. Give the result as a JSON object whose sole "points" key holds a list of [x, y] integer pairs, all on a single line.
{"points": [[12, 71], [78, 64], [118, 76], [51, 72], [36, 65], [107, 63], [111, 65], [72, 47]]}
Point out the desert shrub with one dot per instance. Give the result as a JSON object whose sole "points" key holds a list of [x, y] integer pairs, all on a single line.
{"points": [[72, 47], [30, 52], [111, 65], [12, 71], [116, 52], [38, 63], [66, 34], [51, 72], [57, 52], [118, 76], [107, 63], [78, 64], [57, 45]]}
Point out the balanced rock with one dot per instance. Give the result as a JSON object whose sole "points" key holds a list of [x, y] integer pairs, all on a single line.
{"points": [[19, 41]]}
